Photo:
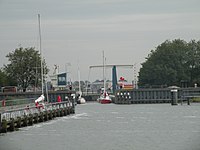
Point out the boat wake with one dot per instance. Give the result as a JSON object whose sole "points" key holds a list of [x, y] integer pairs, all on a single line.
{"points": [[77, 116]]}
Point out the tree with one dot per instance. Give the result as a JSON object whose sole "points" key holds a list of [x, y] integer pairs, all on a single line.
{"points": [[170, 63], [25, 67], [5, 80]]}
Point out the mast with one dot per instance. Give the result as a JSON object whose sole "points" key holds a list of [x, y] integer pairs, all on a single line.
{"points": [[79, 81], [104, 82], [40, 37]]}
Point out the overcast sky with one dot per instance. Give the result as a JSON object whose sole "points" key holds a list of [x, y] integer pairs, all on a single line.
{"points": [[77, 31]]}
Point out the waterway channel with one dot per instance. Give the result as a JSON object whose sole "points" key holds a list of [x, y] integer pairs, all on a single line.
{"points": [[113, 127]]}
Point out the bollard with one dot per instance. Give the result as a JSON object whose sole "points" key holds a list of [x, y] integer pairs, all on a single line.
{"points": [[174, 97]]}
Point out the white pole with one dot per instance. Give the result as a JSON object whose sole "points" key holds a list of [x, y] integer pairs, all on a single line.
{"points": [[40, 37], [79, 81], [104, 82]]}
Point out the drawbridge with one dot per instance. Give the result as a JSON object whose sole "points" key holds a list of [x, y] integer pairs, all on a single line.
{"points": [[114, 72]]}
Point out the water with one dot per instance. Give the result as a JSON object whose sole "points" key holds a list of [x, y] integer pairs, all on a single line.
{"points": [[113, 127]]}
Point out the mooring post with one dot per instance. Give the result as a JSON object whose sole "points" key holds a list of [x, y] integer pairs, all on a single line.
{"points": [[174, 97], [35, 117], [18, 122], [65, 111], [4, 126], [188, 101], [12, 124], [50, 115], [41, 116], [30, 120], [25, 121], [46, 117]]}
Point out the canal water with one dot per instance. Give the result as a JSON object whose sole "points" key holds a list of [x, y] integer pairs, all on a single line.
{"points": [[113, 127]]}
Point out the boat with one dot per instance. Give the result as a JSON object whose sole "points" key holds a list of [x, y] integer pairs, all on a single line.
{"points": [[104, 97], [80, 99]]}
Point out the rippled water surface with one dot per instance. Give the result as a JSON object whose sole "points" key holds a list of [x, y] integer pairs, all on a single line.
{"points": [[113, 127]]}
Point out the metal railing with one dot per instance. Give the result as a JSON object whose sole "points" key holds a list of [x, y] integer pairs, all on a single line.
{"points": [[17, 102], [14, 113]]}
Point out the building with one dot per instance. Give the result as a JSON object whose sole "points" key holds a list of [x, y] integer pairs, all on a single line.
{"points": [[58, 81]]}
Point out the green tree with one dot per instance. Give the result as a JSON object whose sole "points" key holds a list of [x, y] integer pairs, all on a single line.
{"points": [[5, 80], [170, 63], [193, 61], [24, 67]]}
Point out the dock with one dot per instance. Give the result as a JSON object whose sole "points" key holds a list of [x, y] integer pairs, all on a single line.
{"points": [[12, 120]]}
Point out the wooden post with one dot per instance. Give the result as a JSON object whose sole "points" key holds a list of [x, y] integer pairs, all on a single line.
{"points": [[61, 112], [58, 112], [41, 116], [65, 111], [50, 115], [18, 122], [188, 101], [30, 120], [25, 121], [12, 124], [46, 118], [4, 126], [54, 113]]}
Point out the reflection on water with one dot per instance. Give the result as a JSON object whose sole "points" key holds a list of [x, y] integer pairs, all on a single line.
{"points": [[113, 127]]}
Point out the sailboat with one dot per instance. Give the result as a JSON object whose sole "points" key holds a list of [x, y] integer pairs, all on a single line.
{"points": [[104, 97], [80, 99]]}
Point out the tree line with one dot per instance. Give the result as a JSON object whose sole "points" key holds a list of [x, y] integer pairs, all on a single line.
{"points": [[172, 63]]}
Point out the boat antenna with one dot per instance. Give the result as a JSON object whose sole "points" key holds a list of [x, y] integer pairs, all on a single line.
{"points": [[40, 39]]}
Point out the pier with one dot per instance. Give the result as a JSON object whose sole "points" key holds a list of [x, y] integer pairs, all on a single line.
{"points": [[11, 120], [159, 95]]}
